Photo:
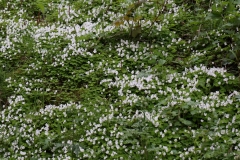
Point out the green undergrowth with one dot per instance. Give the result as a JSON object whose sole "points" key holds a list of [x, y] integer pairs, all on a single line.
{"points": [[118, 79]]}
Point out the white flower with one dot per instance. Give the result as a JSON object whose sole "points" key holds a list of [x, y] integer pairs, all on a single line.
{"points": [[37, 132], [22, 153]]}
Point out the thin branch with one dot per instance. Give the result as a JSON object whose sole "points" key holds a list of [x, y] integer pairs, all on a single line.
{"points": [[159, 13]]}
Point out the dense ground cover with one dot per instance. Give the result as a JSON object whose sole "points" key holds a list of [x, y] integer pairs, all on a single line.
{"points": [[119, 79]]}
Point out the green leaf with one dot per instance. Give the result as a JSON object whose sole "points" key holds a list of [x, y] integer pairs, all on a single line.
{"points": [[216, 83], [151, 61], [174, 113], [209, 154], [230, 8], [202, 82], [161, 62], [186, 122], [185, 106], [40, 5], [194, 111]]}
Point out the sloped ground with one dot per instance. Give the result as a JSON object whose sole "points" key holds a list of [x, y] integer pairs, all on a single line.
{"points": [[119, 80]]}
